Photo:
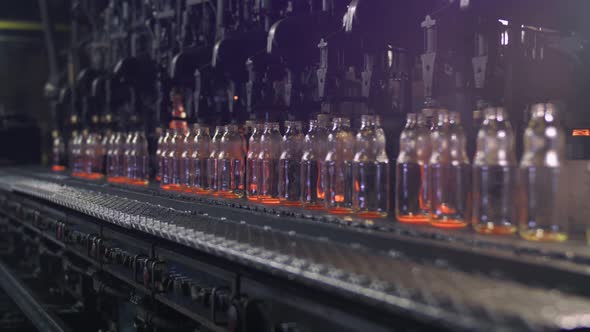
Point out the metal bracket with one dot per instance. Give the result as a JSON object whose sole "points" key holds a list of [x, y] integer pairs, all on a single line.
{"points": [[428, 60], [366, 76], [288, 88], [250, 84], [197, 93], [323, 70], [479, 70]]}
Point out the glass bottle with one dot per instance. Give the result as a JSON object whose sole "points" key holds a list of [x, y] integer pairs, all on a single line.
{"points": [[174, 153], [186, 172], [268, 159], [247, 129], [494, 175], [80, 155], [166, 164], [138, 160], [105, 146], [72, 141], [212, 171], [477, 119], [93, 156], [336, 167], [313, 153], [543, 187], [230, 161], [159, 148], [423, 151], [252, 164], [322, 150], [409, 176], [58, 152], [199, 157], [449, 173], [430, 115], [370, 171], [113, 157], [129, 169], [290, 164], [127, 146]]}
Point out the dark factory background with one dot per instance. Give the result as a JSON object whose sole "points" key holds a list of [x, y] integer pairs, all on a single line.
{"points": [[294, 165], [26, 116]]}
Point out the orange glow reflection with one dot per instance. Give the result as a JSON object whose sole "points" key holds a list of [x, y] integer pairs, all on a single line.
{"points": [[581, 132], [58, 168]]}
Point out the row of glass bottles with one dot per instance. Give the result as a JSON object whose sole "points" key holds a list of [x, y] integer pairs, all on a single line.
{"points": [[86, 154], [123, 157], [127, 158], [436, 184], [323, 169]]}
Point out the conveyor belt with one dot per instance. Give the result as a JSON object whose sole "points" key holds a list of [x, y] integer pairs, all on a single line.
{"points": [[303, 251]]}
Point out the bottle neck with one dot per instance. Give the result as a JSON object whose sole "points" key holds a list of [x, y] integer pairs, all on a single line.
{"points": [[367, 121], [313, 125], [203, 131], [410, 120], [322, 120], [340, 123], [455, 118], [231, 128], [219, 131], [271, 126]]}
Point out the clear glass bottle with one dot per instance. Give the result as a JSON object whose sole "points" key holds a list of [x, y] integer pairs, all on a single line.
{"points": [[58, 152], [313, 153], [212, 170], [93, 156], [129, 169], [370, 171], [322, 149], [290, 164], [337, 167], [449, 172], [494, 175], [310, 169], [186, 172], [477, 119], [80, 155], [252, 164], [174, 157], [161, 133], [247, 129], [127, 147], [105, 146], [423, 151], [268, 159], [201, 151], [138, 162], [72, 141], [166, 164], [230, 161], [543, 186], [113, 157], [409, 207]]}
